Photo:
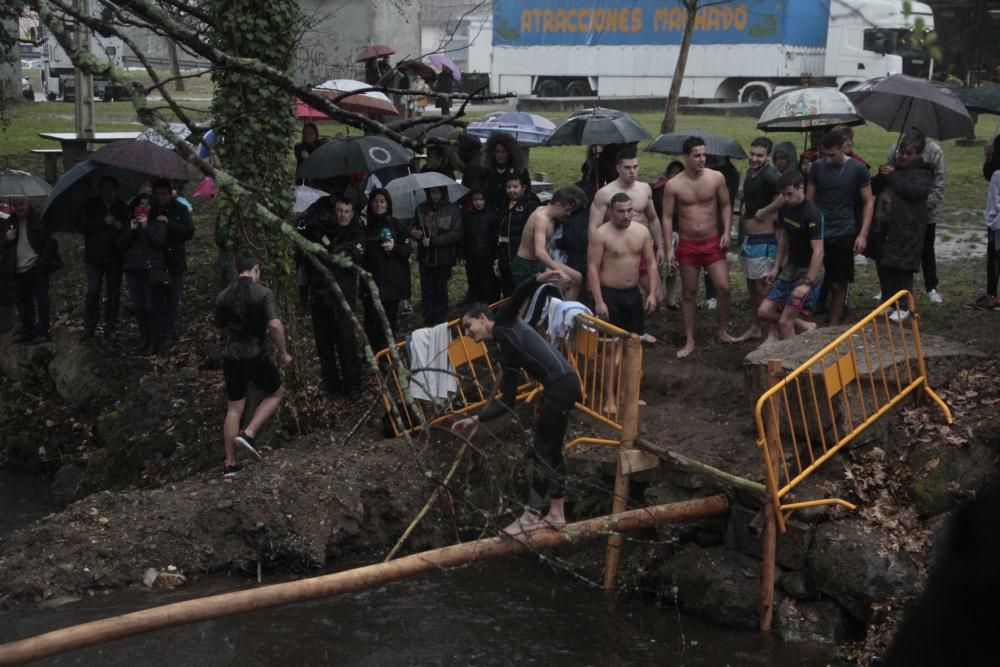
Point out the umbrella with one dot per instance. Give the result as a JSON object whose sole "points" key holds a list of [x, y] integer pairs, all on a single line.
{"points": [[206, 143], [305, 112], [984, 99], [529, 129], [15, 183], [801, 109], [349, 154], [444, 62], [715, 144], [420, 131], [306, 196], [900, 102], [146, 158], [597, 126], [425, 71], [83, 182], [408, 191], [372, 101], [151, 135], [374, 51]]}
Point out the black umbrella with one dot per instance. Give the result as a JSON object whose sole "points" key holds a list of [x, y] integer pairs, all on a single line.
{"points": [[144, 157], [83, 182], [715, 144], [900, 102], [349, 154], [598, 126], [16, 183], [420, 131], [984, 99]]}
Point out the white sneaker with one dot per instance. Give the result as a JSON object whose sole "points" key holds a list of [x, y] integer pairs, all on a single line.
{"points": [[711, 304], [877, 298], [935, 296], [899, 315]]}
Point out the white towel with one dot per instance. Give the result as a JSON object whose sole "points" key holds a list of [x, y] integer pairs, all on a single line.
{"points": [[561, 317], [429, 352]]}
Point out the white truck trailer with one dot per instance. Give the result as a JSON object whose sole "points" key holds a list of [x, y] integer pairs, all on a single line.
{"points": [[742, 50], [57, 69]]}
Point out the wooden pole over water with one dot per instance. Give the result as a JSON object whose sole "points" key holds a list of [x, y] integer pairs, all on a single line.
{"points": [[632, 376], [370, 576]]}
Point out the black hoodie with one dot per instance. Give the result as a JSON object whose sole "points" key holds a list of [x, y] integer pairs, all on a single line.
{"points": [[390, 269]]}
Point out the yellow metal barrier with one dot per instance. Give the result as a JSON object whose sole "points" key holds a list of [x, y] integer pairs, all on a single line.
{"points": [[595, 349], [810, 414]]}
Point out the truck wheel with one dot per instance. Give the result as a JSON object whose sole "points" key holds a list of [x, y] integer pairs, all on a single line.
{"points": [[549, 88], [755, 95], [578, 88]]}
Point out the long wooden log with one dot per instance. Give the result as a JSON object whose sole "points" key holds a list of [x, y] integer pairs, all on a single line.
{"points": [[369, 576]]}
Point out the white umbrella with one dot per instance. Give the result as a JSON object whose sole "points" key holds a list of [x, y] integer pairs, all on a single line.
{"points": [[306, 196], [407, 192], [801, 109], [152, 136], [371, 102]]}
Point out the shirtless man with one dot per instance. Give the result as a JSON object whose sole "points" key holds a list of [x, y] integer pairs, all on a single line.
{"points": [[698, 194], [643, 210], [533, 255], [614, 255]]}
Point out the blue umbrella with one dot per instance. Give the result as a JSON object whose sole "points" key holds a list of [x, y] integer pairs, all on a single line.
{"points": [[83, 182], [527, 128]]}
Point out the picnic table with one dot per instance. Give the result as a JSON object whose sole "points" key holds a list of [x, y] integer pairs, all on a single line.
{"points": [[74, 146]]}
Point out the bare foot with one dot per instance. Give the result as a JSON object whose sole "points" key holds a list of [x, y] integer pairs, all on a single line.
{"points": [[611, 409], [770, 340], [750, 334], [801, 326], [642, 402], [726, 337], [686, 350], [528, 523], [647, 339], [555, 522]]}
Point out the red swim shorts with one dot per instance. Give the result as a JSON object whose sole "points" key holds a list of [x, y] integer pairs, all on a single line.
{"points": [[700, 252]]}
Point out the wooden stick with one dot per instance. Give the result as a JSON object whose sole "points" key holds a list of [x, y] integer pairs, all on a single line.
{"points": [[769, 539], [216, 606], [632, 373], [685, 463], [430, 501]]}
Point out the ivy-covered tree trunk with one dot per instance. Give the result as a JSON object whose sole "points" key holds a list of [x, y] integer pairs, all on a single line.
{"points": [[255, 130]]}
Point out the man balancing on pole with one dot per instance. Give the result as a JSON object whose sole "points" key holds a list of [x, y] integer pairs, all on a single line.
{"points": [[523, 349]]}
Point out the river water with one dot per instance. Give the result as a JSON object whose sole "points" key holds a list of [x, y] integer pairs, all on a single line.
{"points": [[513, 612]]}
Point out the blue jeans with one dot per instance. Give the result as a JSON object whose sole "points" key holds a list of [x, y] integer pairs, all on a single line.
{"points": [[33, 301], [434, 294]]}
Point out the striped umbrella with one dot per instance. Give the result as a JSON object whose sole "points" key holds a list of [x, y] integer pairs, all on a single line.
{"points": [[900, 102]]}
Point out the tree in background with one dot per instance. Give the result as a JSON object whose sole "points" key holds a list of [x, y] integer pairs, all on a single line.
{"points": [[670, 113]]}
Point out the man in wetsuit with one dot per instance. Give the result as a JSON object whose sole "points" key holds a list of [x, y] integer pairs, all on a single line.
{"points": [[245, 312], [523, 349]]}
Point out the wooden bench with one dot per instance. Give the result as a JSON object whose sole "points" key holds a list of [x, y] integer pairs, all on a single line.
{"points": [[51, 156]]}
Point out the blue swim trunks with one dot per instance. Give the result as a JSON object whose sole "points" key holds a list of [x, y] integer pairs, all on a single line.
{"points": [[757, 254]]}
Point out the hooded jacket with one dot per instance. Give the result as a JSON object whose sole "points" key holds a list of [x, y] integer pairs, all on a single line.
{"points": [[391, 270], [901, 215], [180, 230], [480, 232], [788, 148], [442, 224], [100, 240], [320, 220], [492, 180], [142, 247]]}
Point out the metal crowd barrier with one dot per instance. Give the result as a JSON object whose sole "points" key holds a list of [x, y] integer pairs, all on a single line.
{"points": [[594, 348], [818, 408]]}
